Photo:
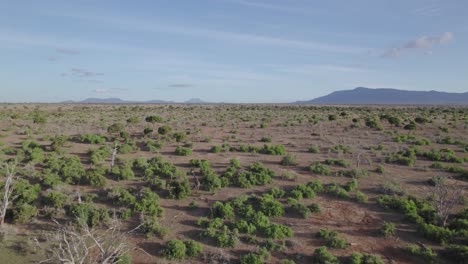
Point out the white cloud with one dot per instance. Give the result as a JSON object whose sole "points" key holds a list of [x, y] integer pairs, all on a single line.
{"points": [[229, 36], [422, 43]]}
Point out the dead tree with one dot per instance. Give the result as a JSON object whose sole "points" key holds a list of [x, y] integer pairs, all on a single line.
{"points": [[8, 188], [81, 244], [114, 154], [445, 197]]}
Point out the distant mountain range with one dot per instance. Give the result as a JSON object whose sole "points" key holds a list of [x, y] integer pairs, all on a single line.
{"points": [[362, 95], [120, 101], [356, 96]]}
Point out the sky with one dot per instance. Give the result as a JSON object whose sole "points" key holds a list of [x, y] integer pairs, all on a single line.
{"points": [[249, 51]]}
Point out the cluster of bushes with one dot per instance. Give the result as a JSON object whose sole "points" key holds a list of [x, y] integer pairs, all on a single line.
{"points": [[183, 151], [340, 148], [255, 174], [405, 157], [423, 214], [32, 151], [266, 149], [373, 123], [358, 258], [93, 139], [332, 239], [320, 169], [338, 162], [69, 169], [98, 155], [143, 201], [178, 250], [444, 154]]}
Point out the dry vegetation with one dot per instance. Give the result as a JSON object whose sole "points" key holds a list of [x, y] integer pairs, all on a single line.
{"points": [[233, 184]]}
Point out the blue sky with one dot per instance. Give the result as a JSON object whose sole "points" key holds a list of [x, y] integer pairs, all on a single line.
{"points": [[228, 50]]}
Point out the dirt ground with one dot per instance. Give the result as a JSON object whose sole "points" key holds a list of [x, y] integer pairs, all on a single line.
{"points": [[297, 128]]}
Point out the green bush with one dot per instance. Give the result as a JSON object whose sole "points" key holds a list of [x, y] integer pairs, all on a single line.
{"points": [[338, 162], [332, 239], [24, 213], [181, 151], [425, 253], [270, 207], [313, 149], [222, 210], [150, 226], [179, 136], [93, 139], [322, 256], [289, 160], [175, 250], [273, 150], [154, 119], [320, 169], [456, 253], [56, 199], [163, 130], [193, 248], [116, 128], [387, 229], [358, 258], [179, 189]]}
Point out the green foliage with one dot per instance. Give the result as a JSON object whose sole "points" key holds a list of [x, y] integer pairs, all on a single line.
{"points": [[270, 207], [116, 128], [320, 169], [405, 157], [163, 130], [150, 226], [87, 213], [361, 197], [56, 199], [301, 210], [254, 258], [387, 229], [338, 162], [313, 149], [322, 256], [456, 253], [273, 150], [351, 186], [305, 191], [255, 174], [179, 136], [97, 156], [181, 151], [358, 258], [179, 189], [193, 248], [222, 210], [338, 191], [24, 213], [93, 139], [373, 123], [175, 250], [289, 160], [332, 239], [425, 253], [154, 119]]}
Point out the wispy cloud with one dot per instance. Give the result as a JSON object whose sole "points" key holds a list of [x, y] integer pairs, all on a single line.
{"points": [[108, 90], [180, 85], [314, 68], [430, 9], [208, 33], [425, 43], [282, 8], [67, 51], [82, 73]]}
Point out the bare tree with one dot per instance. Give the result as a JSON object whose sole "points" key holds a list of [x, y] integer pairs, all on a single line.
{"points": [[8, 188], [445, 197], [79, 244]]}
